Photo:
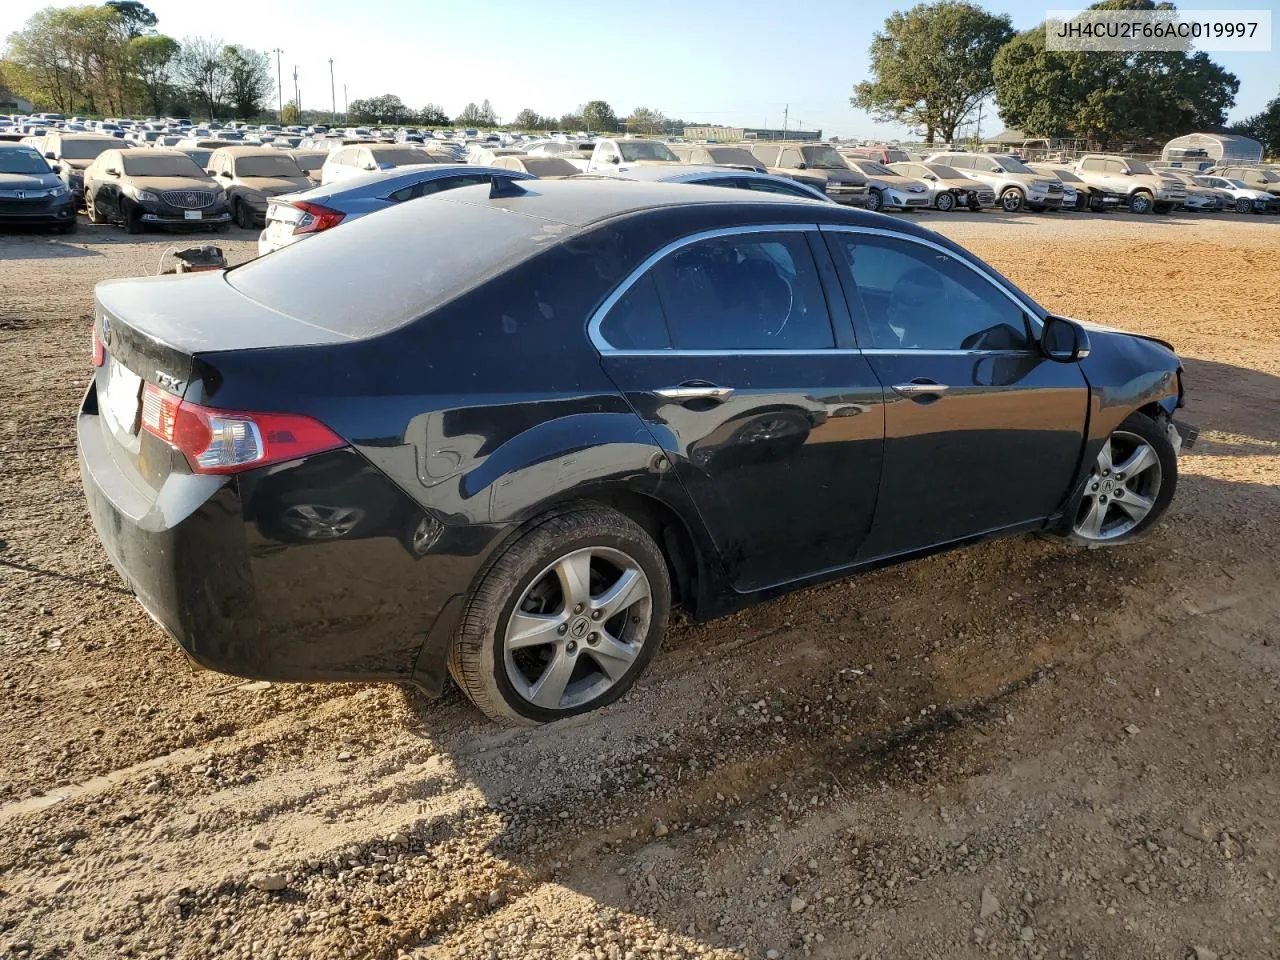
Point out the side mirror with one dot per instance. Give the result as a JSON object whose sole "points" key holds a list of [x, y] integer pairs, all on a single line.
{"points": [[1128, 173], [225, 173], [802, 165], [49, 155], [998, 170], [56, 168], [112, 172], [613, 158], [1063, 340]]}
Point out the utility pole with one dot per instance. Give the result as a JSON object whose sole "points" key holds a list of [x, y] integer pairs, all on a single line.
{"points": [[786, 112], [279, 85], [333, 97], [297, 97], [345, 108]]}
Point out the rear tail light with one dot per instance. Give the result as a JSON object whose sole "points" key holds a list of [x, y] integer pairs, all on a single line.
{"points": [[99, 349], [228, 441], [315, 217]]}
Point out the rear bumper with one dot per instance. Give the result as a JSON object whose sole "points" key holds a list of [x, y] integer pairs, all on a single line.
{"points": [[225, 568]]}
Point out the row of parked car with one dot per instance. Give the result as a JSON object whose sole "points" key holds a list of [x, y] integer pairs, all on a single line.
{"points": [[214, 181]]}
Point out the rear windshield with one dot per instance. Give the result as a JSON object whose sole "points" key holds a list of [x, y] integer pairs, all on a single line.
{"points": [[735, 155], [86, 149], [162, 166], [633, 150], [378, 273], [281, 166], [398, 156]]}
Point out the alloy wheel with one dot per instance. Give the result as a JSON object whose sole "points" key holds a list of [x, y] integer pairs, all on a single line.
{"points": [[1011, 200], [945, 202], [578, 628], [1243, 205], [874, 200], [1121, 490]]}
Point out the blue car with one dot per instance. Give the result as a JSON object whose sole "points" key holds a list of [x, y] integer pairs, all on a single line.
{"points": [[31, 192], [295, 216]]}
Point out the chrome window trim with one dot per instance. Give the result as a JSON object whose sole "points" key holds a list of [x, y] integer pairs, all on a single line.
{"points": [[607, 349], [1029, 307]]}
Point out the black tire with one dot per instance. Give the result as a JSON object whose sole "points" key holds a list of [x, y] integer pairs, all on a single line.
{"points": [[1012, 200], [243, 215], [1155, 433], [875, 200], [945, 202], [1140, 202], [65, 228], [91, 210], [1163, 208], [477, 662], [132, 219]]}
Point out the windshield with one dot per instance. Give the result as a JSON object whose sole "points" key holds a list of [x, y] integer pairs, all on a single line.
{"points": [[645, 150], [945, 172], [875, 169], [162, 166], [86, 149], [1066, 176], [1013, 165], [398, 157], [282, 166], [1137, 166], [22, 161], [1269, 176], [824, 158], [1239, 184]]}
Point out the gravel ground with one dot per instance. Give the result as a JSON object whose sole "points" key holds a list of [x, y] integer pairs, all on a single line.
{"points": [[1014, 750]]}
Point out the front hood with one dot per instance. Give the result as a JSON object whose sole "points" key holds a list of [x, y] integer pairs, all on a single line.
{"points": [[173, 183], [274, 186], [28, 181], [964, 184], [849, 177]]}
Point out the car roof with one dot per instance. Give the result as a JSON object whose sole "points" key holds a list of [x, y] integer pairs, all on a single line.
{"points": [[248, 150], [150, 152]]}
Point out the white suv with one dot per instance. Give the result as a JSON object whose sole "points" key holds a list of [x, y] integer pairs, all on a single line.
{"points": [[1016, 185]]}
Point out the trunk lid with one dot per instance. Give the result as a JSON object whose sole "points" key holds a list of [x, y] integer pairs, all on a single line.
{"points": [[152, 328]]}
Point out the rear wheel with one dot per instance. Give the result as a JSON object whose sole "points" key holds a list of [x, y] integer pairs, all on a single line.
{"points": [[1129, 487], [945, 202], [67, 227], [243, 215], [132, 219], [1012, 200], [564, 620]]}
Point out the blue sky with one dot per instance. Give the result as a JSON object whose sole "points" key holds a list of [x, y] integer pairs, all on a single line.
{"points": [[738, 62]]}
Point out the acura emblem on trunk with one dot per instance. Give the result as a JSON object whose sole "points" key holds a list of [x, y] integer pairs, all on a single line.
{"points": [[168, 380]]}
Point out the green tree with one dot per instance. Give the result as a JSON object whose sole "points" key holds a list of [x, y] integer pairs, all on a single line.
{"points": [[487, 117], [385, 108], [469, 117], [1263, 127], [151, 58], [931, 65], [137, 18], [200, 68], [530, 119], [249, 80], [572, 121], [1109, 98], [598, 116], [646, 120], [433, 115]]}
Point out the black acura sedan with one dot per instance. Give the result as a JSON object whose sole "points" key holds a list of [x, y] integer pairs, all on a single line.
{"points": [[497, 433]]}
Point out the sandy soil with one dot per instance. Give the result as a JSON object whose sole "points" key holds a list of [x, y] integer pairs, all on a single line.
{"points": [[1015, 750]]}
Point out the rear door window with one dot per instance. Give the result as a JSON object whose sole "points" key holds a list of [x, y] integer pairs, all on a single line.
{"points": [[756, 291]]}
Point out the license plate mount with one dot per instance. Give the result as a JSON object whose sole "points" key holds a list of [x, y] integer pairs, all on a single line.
{"points": [[193, 214]]}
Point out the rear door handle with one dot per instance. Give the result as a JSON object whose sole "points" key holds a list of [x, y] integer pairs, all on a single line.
{"points": [[920, 388], [686, 392]]}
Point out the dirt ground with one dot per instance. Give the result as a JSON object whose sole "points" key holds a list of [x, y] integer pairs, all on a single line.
{"points": [[1015, 750]]}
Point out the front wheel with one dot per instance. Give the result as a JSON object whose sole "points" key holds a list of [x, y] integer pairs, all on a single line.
{"points": [[243, 215], [1130, 485], [1140, 203], [1244, 205], [564, 620], [875, 199], [945, 202], [91, 209], [1012, 200]]}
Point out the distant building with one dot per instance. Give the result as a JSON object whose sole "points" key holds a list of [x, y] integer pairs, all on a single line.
{"points": [[720, 134], [1201, 150]]}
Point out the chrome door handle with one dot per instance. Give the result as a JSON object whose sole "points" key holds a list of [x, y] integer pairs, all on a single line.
{"points": [[915, 389], [683, 393]]}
